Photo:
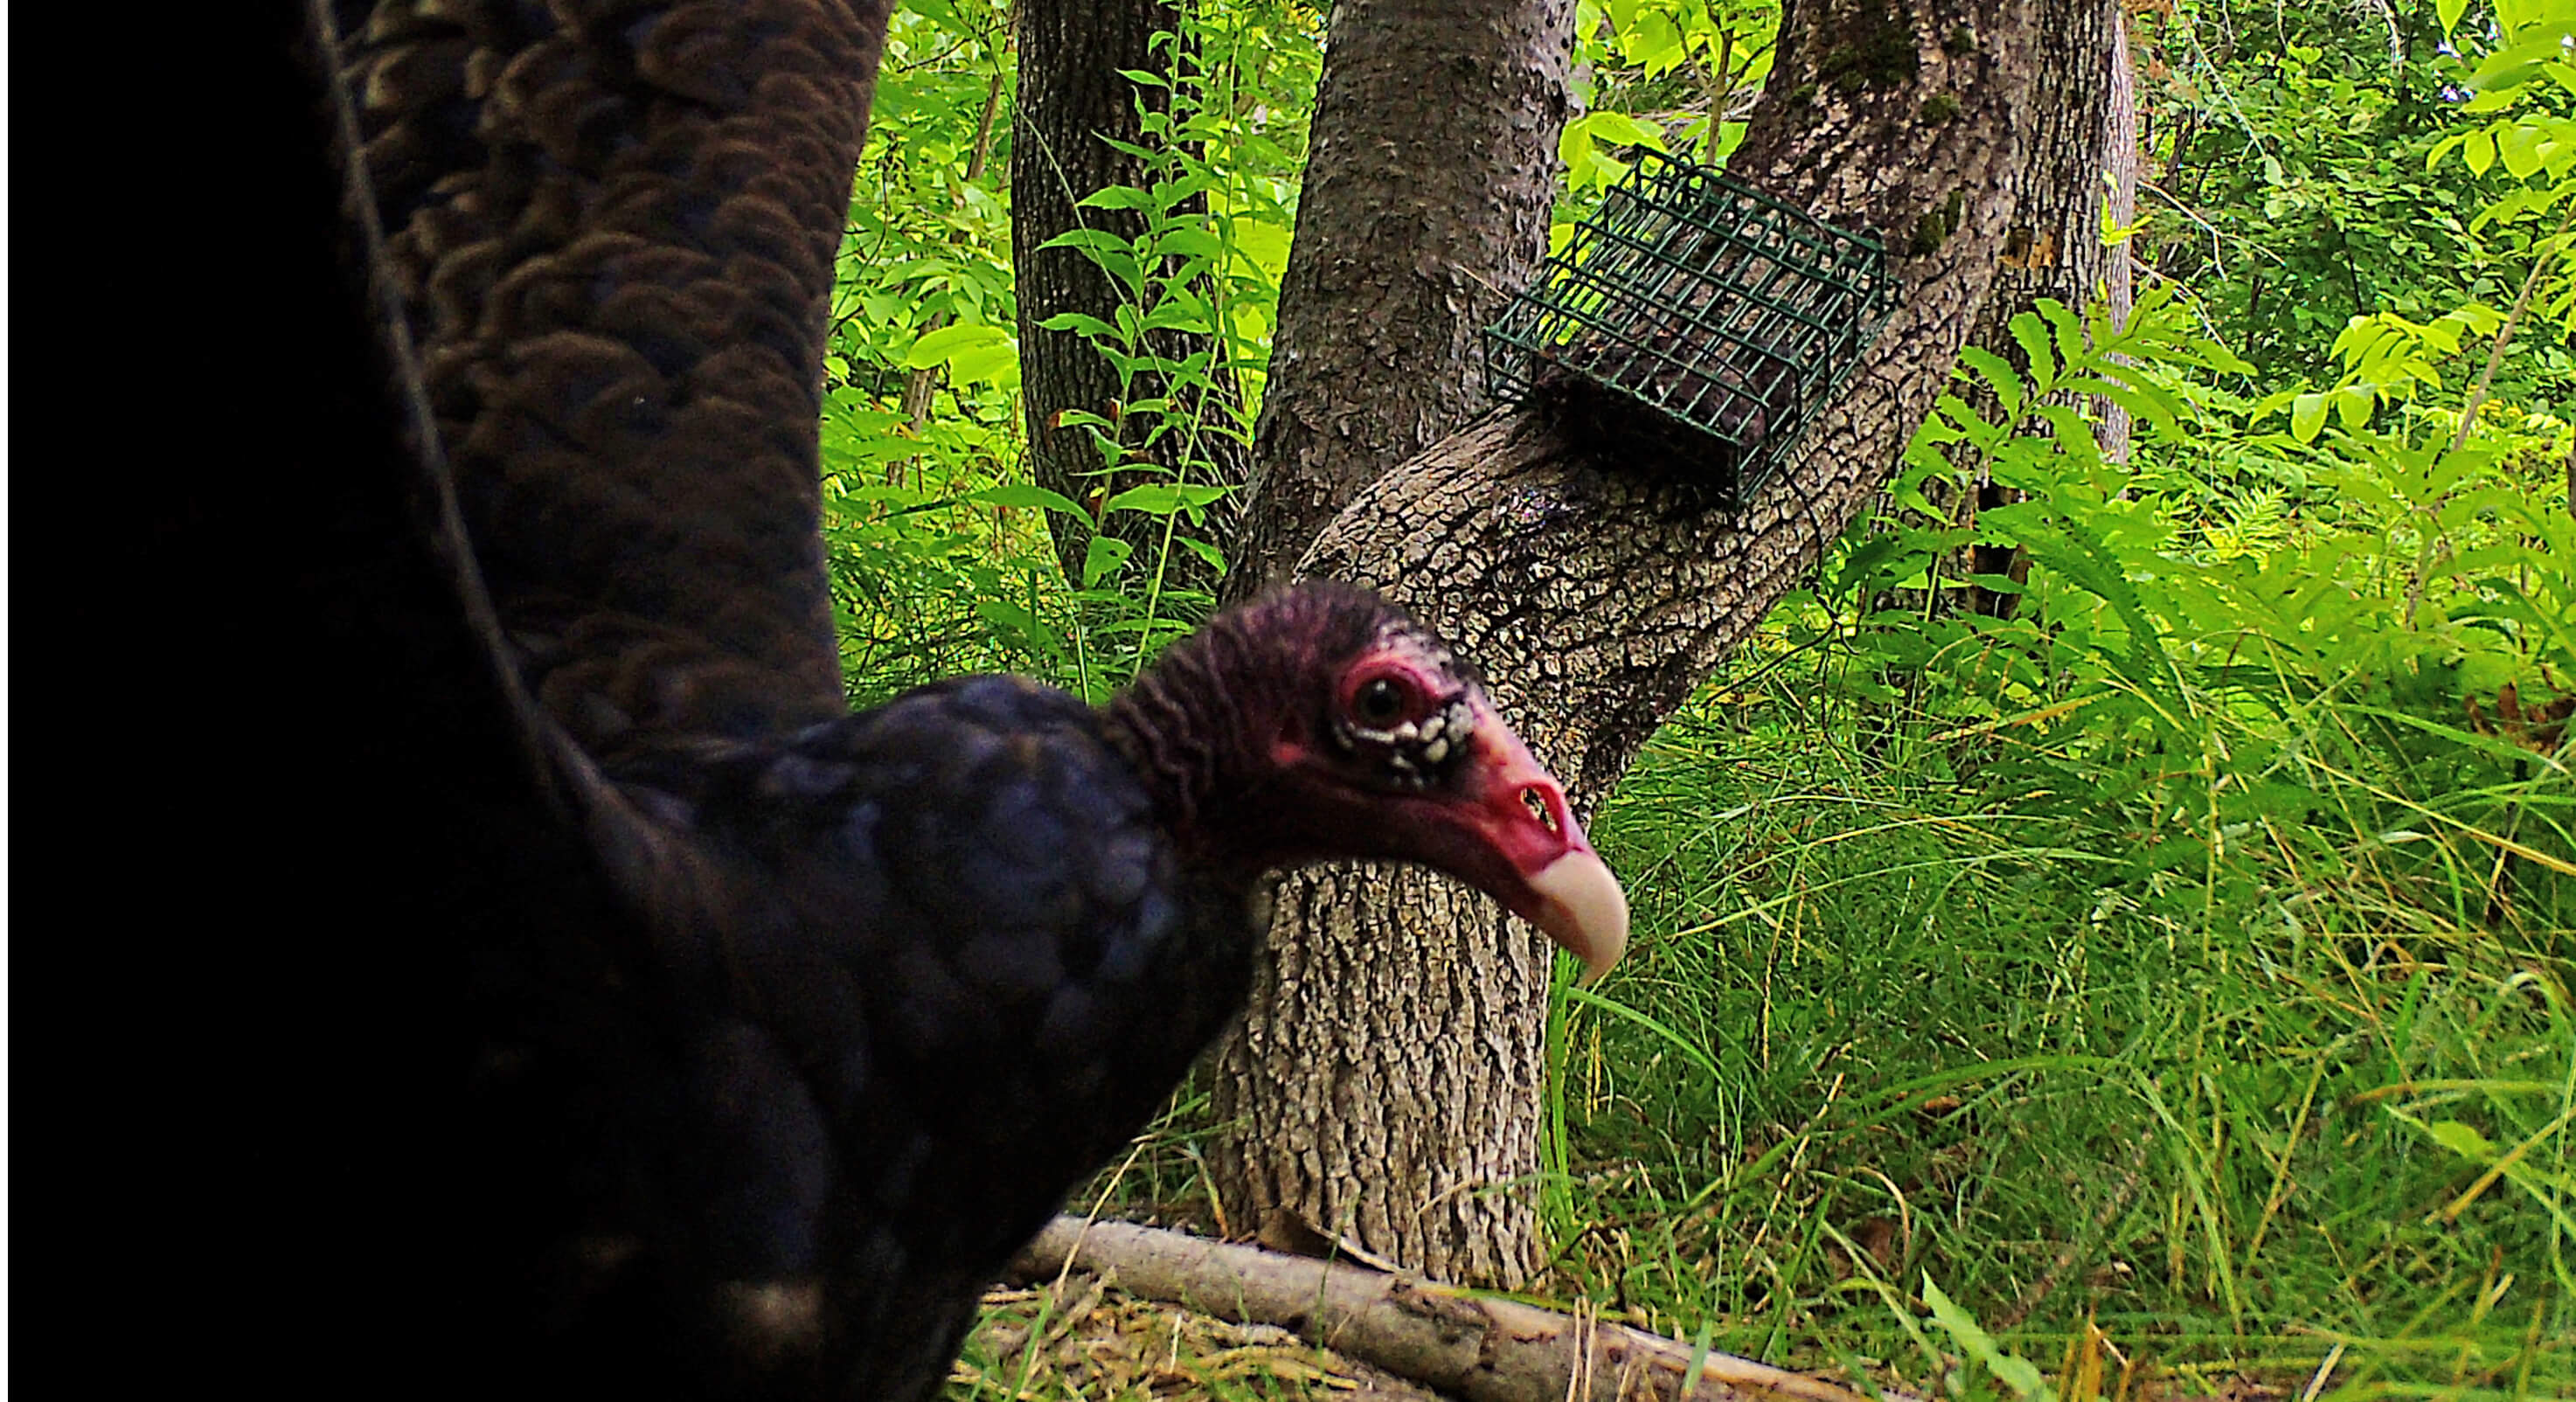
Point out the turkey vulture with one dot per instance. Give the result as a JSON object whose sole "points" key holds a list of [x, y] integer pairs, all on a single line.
{"points": [[784, 1026]]}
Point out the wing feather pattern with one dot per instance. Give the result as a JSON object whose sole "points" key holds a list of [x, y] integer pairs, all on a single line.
{"points": [[612, 227], [760, 1106]]}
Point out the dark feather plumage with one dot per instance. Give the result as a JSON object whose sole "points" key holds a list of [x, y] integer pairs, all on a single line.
{"points": [[788, 1025]]}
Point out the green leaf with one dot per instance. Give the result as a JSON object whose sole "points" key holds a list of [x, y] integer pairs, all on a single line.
{"points": [[1179, 315], [1187, 241], [1620, 129], [2519, 145], [2071, 348], [2307, 417], [1265, 246], [2449, 12], [2016, 1373], [1998, 375], [2479, 151], [2033, 339], [995, 362], [1015, 621], [1215, 558], [1027, 494], [2519, 62], [1574, 146], [1729, 136], [2145, 402], [946, 344], [1116, 197], [1655, 43], [2075, 552], [1163, 498], [1103, 558], [1088, 241], [1077, 322], [1867, 562], [2463, 1140], [1168, 193]]}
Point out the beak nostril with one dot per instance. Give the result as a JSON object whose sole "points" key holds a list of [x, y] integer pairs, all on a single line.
{"points": [[1540, 808]]}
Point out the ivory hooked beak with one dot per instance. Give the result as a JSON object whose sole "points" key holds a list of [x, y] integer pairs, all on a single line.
{"points": [[1582, 908]]}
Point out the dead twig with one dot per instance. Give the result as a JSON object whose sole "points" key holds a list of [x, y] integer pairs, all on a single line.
{"points": [[1473, 1347]]}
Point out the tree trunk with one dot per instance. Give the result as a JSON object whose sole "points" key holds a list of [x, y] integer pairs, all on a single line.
{"points": [[1073, 100], [1388, 1079], [2079, 151], [1425, 206], [2120, 157], [1426, 202], [921, 388]]}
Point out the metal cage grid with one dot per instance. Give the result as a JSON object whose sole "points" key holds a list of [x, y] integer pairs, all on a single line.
{"points": [[1729, 316]]}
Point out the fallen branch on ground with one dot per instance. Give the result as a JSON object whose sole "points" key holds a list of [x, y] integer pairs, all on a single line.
{"points": [[1474, 1347]]}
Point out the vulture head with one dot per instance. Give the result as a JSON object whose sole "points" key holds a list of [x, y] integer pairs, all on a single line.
{"points": [[1321, 722]]}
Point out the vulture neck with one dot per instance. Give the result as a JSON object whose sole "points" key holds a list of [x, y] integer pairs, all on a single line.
{"points": [[1198, 727]]}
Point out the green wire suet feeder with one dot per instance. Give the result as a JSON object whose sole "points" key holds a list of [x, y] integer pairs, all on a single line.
{"points": [[1696, 320]]}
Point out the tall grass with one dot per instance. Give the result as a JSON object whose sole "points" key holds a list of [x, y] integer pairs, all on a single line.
{"points": [[1881, 1031], [2163, 965]]}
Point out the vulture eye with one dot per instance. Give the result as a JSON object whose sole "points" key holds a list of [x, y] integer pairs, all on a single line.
{"points": [[1382, 702]]}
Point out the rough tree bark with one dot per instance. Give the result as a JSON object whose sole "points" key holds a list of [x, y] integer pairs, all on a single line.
{"points": [[2120, 157], [1072, 99], [1431, 172], [1426, 202], [1387, 1080], [2079, 149]]}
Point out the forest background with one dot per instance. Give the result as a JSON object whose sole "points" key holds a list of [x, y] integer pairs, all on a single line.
{"points": [[2169, 967]]}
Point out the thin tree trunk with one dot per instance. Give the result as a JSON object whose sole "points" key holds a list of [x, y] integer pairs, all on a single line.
{"points": [[2079, 158], [1425, 206], [2123, 149], [1426, 202], [1073, 100], [1387, 1082], [921, 389], [2079, 152]]}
